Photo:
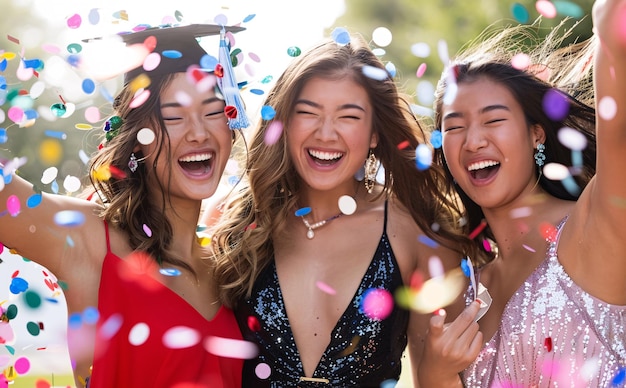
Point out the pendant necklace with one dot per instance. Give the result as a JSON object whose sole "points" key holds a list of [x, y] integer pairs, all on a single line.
{"points": [[310, 234]]}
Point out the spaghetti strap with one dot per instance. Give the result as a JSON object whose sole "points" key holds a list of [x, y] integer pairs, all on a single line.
{"points": [[106, 233], [385, 219]]}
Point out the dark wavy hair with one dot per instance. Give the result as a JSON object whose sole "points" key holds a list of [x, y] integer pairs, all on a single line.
{"points": [[566, 69]]}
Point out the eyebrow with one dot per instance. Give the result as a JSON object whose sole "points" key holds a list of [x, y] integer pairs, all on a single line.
{"points": [[315, 105], [178, 105], [486, 109]]}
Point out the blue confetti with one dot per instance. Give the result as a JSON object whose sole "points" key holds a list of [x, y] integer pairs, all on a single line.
{"points": [[619, 378], [18, 285], [341, 36], [258, 92], [303, 211], [465, 267], [267, 112], [435, 139], [174, 54], [427, 241], [34, 200], [91, 315], [69, 218], [74, 321], [88, 86], [170, 271], [249, 17]]}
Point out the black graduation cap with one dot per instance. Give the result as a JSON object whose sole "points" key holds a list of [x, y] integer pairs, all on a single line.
{"points": [[179, 43]]}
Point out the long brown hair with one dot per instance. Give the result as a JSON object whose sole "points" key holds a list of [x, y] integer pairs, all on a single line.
{"points": [[243, 241], [127, 203]]}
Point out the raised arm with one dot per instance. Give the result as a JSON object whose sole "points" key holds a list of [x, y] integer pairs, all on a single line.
{"points": [[600, 214], [29, 226]]}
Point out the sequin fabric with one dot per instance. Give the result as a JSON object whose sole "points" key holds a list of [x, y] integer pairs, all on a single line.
{"points": [[553, 334], [362, 352]]}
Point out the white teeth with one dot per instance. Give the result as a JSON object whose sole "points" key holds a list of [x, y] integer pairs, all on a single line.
{"points": [[196, 158], [325, 155], [482, 164]]}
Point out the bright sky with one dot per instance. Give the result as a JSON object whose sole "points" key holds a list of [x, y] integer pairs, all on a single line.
{"points": [[278, 25]]}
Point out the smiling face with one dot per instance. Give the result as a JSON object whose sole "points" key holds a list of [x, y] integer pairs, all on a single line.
{"points": [[330, 132], [487, 143], [199, 141]]}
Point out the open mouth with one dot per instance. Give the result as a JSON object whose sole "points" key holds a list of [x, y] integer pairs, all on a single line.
{"points": [[197, 164], [484, 169], [324, 158]]}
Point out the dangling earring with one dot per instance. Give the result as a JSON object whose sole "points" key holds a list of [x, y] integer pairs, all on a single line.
{"points": [[540, 157], [370, 171], [132, 163]]}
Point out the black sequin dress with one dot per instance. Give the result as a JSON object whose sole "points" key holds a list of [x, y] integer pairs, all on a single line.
{"points": [[362, 352]]}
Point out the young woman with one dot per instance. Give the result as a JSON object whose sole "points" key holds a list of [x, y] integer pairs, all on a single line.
{"points": [[557, 281], [133, 255], [311, 257]]}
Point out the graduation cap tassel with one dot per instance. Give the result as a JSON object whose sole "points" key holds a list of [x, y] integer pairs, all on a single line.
{"points": [[235, 109]]}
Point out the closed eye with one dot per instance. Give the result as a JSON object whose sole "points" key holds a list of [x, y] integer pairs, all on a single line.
{"points": [[219, 112]]}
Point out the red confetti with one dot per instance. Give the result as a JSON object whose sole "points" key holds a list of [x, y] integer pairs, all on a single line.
{"points": [[253, 323], [478, 229], [62, 100], [250, 227], [150, 43], [116, 172], [548, 231], [230, 111], [403, 145], [219, 71], [13, 39], [417, 280], [40, 325], [547, 343], [15, 274]]}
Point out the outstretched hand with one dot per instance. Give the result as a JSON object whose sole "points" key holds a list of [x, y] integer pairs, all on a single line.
{"points": [[450, 348]]}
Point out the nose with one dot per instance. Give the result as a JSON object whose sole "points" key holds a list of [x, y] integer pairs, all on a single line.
{"points": [[474, 139], [198, 130], [326, 130]]}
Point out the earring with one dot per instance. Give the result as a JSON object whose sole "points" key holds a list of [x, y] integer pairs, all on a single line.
{"points": [[132, 163], [540, 157], [370, 171]]}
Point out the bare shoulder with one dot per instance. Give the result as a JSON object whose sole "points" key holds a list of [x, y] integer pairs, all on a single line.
{"points": [[412, 246]]}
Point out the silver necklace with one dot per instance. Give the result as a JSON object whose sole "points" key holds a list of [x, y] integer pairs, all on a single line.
{"points": [[310, 234]]}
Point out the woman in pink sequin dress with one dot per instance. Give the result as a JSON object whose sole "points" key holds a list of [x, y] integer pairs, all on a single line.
{"points": [[519, 142]]}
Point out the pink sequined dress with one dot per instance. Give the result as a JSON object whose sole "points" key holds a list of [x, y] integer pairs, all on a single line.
{"points": [[553, 334]]}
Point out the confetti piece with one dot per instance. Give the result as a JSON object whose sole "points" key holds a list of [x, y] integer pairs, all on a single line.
{"points": [[170, 272], [546, 8], [547, 344], [69, 218], [520, 13], [294, 51], [22, 365], [528, 248], [180, 337], [375, 73], [423, 157], [231, 348], [341, 36], [303, 211], [478, 229], [13, 205], [427, 241], [403, 145], [421, 70], [382, 36], [267, 112], [262, 371], [548, 231], [32, 299], [377, 304], [139, 334], [325, 288], [555, 105], [607, 108], [420, 50], [347, 205]]}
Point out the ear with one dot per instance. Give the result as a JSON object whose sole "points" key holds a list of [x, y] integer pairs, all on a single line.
{"points": [[374, 140], [538, 134]]}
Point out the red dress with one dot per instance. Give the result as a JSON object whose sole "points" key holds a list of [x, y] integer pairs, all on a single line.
{"points": [[148, 336]]}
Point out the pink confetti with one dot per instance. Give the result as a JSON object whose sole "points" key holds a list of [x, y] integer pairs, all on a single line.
{"points": [[528, 248], [147, 230], [377, 304], [13, 205], [325, 288], [16, 114], [520, 61], [22, 365], [273, 132], [421, 70], [152, 61], [607, 108], [546, 8], [74, 21], [254, 57], [92, 114], [263, 371], [231, 348], [140, 98]]}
